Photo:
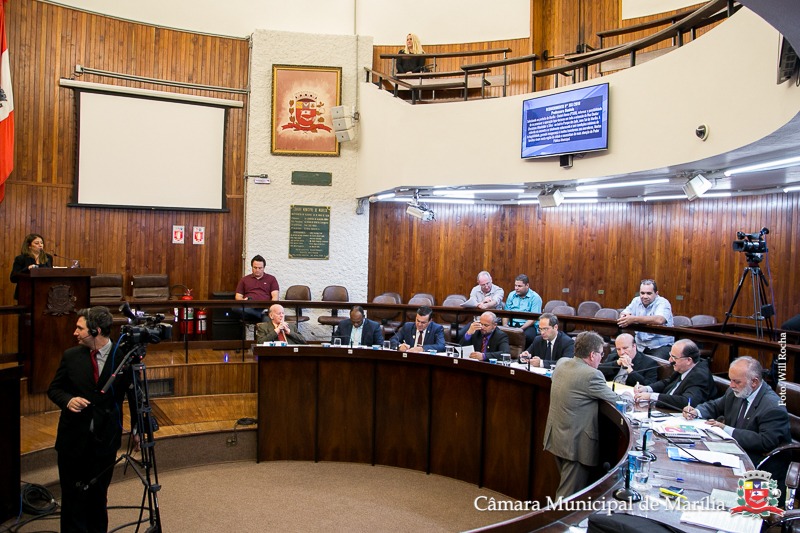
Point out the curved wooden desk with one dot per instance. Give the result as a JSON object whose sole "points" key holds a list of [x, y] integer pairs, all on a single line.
{"points": [[459, 418]]}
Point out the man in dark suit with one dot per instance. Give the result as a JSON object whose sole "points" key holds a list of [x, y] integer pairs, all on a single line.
{"points": [[690, 383], [753, 415], [277, 329], [571, 432], [90, 426], [487, 341], [421, 336], [358, 331], [550, 345], [628, 365]]}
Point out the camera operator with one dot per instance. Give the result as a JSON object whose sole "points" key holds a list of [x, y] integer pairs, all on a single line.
{"points": [[90, 426]]}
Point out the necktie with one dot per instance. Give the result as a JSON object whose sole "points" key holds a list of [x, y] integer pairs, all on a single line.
{"points": [[740, 418], [550, 350], [418, 342], [95, 368], [485, 343], [281, 336]]}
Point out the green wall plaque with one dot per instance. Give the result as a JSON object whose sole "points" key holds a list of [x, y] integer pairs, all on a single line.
{"points": [[312, 178], [309, 232]]}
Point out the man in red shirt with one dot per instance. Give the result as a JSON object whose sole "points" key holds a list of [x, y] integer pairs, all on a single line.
{"points": [[258, 286]]}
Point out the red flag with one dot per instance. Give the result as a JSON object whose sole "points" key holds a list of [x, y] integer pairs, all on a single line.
{"points": [[6, 108]]}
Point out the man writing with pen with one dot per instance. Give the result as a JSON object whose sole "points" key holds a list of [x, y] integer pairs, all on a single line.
{"points": [[751, 413]]}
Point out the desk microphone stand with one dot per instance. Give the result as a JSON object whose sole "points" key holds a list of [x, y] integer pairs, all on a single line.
{"points": [[627, 493]]}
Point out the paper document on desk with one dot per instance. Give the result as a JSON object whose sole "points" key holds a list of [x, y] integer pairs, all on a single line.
{"points": [[466, 351], [472, 302], [725, 459], [724, 447], [723, 521]]}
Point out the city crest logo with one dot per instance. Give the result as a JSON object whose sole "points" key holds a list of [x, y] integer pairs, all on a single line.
{"points": [[305, 113], [758, 495]]}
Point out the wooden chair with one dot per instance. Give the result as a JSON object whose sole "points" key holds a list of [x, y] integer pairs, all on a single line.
{"points": [[457, 318], [334, 293], [417, 301], [298, 293], [516, 340], [106, 290], [425, 295], [607, 332], [588, 308], [565, 310]]}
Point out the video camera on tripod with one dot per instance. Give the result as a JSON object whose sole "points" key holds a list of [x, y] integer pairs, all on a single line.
{"points": [[754, 245], [143, 329]]}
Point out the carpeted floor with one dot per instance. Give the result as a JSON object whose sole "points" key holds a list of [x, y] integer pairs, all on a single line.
{"points": [[302, 496]]}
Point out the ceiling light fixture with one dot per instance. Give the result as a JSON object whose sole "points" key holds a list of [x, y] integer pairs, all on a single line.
{"points": [[594, 186], [767, 165], [551, 198], [792, 188]]}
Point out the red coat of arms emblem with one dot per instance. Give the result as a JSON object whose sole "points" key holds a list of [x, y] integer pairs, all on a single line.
{"points": [[758, 494], [306, 113]]}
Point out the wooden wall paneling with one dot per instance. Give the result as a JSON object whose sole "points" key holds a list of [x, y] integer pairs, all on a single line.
{"points": [[346, 411], [684, 246], [456, 453], [290, 436], [46, 41], [508, 413], [402, 416]]}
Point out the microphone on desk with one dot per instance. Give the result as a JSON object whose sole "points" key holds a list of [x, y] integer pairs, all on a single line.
{"points": [[627, 493], [651, 455], [690, 454], [75, 262]]}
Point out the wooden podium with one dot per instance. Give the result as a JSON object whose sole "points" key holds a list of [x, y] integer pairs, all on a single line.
{"points": [[54, 296]]}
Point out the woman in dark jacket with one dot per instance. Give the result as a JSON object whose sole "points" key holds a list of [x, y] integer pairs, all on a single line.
{"points": [[32, 255]]}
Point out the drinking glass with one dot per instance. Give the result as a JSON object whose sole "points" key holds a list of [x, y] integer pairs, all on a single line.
{"points": [[642, 473], [337, 342], [506, 357]]}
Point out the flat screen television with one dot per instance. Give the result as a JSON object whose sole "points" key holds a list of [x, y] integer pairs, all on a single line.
{"points": [[568, 122]]}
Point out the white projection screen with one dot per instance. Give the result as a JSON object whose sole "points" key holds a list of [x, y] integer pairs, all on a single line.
{"points": [[149, 153]]}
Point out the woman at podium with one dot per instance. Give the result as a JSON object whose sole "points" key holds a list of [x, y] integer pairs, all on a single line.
{"points": [[31, 256]]}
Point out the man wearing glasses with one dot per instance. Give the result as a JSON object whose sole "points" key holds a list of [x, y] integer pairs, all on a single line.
{"points": [[690, 383], [550, 346], [571, 433], [649, 309], [488, 341]]}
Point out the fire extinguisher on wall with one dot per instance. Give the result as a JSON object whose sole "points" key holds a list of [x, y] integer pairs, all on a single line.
{"points": [[201, 322], [186, 314]]}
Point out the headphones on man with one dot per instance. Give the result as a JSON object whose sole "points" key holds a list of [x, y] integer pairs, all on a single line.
{"points": [[98, 319]]}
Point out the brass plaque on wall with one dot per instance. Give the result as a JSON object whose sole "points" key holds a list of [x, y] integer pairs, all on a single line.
{"points": [[309, 232], [300, 177]]}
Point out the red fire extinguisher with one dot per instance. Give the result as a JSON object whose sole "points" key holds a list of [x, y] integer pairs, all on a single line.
{"points": [[186, 315], [201, 321]]}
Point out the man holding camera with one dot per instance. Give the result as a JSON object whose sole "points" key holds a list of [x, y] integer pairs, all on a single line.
{"points": [[90, 426]]}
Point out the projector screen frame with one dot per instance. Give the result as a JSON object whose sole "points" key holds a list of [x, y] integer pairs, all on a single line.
{"points": [[218, 139]]}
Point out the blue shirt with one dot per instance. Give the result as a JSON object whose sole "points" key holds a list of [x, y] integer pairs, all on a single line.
{"points": [[530, 303], [660, 307]]}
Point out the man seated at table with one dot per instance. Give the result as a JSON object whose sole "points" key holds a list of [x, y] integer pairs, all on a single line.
{"points": [[751, 413], [358, 331], [571, 432], [526, 300], [628, 365], [487, 341], [420, 336], [277, 329], [550, 345], [690, 383]]}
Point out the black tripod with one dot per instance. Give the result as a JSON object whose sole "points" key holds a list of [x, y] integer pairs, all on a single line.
{"points": [[762, 311], [146, 424]]}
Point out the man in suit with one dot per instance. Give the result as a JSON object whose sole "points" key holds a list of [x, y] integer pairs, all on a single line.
{"points": [[550, 345], [691, 382], [358, 331], [90, 425], [276, 328], [571, 432], [628, 365], [421, 336], [753, 415], [488, 341]]}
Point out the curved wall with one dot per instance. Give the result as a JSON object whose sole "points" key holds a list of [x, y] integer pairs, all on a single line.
{"points": [[725, 79]]}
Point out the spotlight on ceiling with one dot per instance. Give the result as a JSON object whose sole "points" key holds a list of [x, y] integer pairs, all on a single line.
{"points": [[696, 187], [420, 211], [552, 198]]}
